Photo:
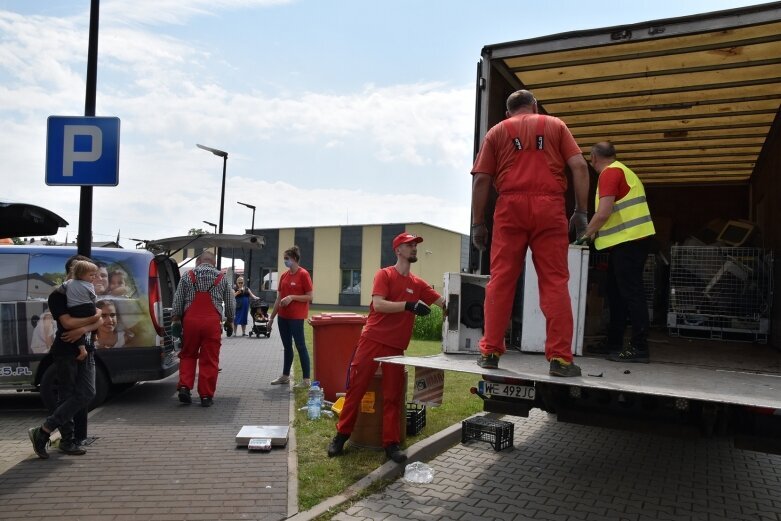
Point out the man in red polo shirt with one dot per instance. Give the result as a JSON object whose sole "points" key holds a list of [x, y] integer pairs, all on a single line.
{"points": [[397, 297]]}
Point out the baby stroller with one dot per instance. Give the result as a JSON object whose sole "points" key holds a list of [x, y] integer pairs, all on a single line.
{"points": [[258, 309]]}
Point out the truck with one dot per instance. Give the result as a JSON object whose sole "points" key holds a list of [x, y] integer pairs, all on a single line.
{"points": [[692, 106]]}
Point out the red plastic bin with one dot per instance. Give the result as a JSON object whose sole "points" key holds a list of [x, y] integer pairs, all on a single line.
{"points": [[334, 337]]}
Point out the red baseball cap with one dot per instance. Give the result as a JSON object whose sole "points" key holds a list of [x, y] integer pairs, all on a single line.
{"points": [[404, 238]]}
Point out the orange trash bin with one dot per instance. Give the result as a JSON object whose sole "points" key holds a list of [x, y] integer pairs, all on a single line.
{"points": [[334, 337]]}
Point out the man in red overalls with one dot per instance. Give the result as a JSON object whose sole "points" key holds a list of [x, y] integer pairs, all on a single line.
{"points": [[524, 157], [397, 297], [199, 299]]}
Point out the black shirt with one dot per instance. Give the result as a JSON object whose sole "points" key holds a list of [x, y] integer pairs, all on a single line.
{"points": [[58, 306]]}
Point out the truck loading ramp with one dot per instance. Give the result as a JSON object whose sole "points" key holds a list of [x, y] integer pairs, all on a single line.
{"points": [[660, 379]]}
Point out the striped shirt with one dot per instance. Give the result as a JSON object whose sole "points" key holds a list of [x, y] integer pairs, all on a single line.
{"points": [[205, 275]]}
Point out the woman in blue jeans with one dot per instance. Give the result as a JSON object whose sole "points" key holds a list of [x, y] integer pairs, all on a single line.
{"points": [[292, 305]]}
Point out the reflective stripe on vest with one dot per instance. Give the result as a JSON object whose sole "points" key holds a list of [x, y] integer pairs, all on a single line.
{"points": [[630, 218]]}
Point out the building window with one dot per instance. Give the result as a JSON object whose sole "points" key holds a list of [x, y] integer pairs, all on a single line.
{"points": [[351, 282]]}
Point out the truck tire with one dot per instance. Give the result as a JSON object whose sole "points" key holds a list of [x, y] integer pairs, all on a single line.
{"points": [[48, 388]]}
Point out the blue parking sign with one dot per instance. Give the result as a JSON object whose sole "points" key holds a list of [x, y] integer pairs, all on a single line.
{"points": [[82, 151]]}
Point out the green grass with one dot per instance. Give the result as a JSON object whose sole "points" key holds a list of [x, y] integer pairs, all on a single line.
{"points": [[320, 477]]}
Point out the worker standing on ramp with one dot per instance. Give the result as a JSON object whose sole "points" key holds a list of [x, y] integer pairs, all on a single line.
{"points": [[524, 157]]}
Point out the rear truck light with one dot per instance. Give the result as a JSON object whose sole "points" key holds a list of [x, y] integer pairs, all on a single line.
{"points": [[155, 301], [474, 390], [764, 411]]}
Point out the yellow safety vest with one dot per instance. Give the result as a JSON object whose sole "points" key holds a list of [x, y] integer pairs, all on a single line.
{"points": [[630, 219]]}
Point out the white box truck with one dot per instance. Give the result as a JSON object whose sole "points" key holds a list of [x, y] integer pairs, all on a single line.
{"points": [[692, 106]]}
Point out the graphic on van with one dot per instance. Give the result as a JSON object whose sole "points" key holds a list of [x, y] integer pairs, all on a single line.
{"points": [[26, 324]]}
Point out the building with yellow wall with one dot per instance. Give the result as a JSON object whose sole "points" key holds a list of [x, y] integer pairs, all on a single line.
{"points": [[344, 259]]}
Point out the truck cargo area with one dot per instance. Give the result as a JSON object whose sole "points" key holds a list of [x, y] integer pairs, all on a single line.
{"points": [[692, 107]]}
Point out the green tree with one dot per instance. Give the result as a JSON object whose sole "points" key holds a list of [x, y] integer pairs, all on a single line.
{"points": [[196, 231]]}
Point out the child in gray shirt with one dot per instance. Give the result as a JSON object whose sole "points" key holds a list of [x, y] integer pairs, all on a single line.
{"points": [[80, 291]]}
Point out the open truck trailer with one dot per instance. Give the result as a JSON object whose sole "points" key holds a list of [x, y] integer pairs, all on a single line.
{"points": [[692, 106]]}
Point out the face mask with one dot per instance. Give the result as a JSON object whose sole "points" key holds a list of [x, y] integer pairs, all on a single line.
{"points": [[288, 263]]}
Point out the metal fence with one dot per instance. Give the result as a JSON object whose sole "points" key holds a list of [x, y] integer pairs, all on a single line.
{"points": [[723, 292]]}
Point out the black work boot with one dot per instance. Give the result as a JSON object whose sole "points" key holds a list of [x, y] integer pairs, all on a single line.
{"points": [[559, 367], [71, 448], [40, 440], [336, 446], [631, 355], [394, 453], [489, 361], [185, 396]]}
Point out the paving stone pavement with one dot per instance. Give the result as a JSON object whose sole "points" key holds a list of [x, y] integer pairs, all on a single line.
{"points": [[559, 471], [156, 459]]}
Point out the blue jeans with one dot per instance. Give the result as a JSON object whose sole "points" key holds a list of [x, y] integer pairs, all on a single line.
{"points": [[75, 389], [291, 329]]}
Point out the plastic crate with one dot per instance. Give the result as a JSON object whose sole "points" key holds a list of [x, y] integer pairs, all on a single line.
{"points": [[498, 433], [416, 418]]}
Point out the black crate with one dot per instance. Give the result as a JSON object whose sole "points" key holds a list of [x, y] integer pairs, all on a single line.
{"points": [[416, 418], [498, 433]]}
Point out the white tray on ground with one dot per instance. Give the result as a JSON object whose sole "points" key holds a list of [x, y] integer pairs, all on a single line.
{"points": [[278, 434]]}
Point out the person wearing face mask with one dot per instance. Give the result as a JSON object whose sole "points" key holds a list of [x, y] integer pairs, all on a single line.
{"points": [[292, 305]]}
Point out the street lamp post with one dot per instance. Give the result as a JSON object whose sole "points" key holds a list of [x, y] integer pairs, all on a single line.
{"points": [[252, 230], [211, 224], [224, 156]]}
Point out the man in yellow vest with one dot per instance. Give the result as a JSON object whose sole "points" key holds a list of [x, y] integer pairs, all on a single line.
{"points": [[622, 226]]}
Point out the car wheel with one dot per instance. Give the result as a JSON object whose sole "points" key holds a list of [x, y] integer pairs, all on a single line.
{"points": [[49, 394]]}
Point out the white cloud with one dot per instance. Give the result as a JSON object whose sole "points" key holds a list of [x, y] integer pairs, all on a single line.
{"points": [[159, 87], [173, 11]]}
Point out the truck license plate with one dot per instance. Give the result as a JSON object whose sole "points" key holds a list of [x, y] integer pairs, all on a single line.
{"points": [[521, 392]]}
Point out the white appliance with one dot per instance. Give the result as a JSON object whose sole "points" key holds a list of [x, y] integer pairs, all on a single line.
{"points": [[465, 294], [533, 327], [463, 325]]}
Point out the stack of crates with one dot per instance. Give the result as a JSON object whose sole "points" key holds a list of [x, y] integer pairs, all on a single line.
{"points": [[720, 293]]}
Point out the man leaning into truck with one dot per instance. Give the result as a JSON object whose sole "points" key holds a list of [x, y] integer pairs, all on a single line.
{"points": [[524, 157], [622, 226]]}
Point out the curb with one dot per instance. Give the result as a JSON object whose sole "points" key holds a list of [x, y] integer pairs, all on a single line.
{"points": [[292, 459], [423, 450]]}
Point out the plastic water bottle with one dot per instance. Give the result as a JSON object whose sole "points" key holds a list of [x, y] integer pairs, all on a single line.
{"points": [[315, 401]]}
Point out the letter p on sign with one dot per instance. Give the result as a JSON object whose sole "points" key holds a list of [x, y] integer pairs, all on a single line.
{"points": [[82, 151], [69, 153]]}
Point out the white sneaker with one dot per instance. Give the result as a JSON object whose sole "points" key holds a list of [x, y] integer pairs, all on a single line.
{"points": [[305, 383], [283, 379]]}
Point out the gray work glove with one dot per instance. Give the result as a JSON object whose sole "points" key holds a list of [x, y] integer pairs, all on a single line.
{"points": [[578, 223], [419, 308], [176, 329], [479, 236]]}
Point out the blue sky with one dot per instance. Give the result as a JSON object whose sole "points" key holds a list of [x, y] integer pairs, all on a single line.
{"points": [[332, 112]]}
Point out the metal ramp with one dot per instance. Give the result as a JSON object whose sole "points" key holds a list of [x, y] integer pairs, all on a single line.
{"points": [[659, 379]]}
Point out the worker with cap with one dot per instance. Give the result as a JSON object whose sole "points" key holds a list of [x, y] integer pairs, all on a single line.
{"points": [[622, 226], [397, 297], [524, 158]]}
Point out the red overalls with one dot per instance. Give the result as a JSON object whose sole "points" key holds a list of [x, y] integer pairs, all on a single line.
{"points": [[201, 343], [529, 213], [362, 369]]}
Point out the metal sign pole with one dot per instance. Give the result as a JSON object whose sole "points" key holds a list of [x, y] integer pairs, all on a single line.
{"points": [[85, 204]]}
